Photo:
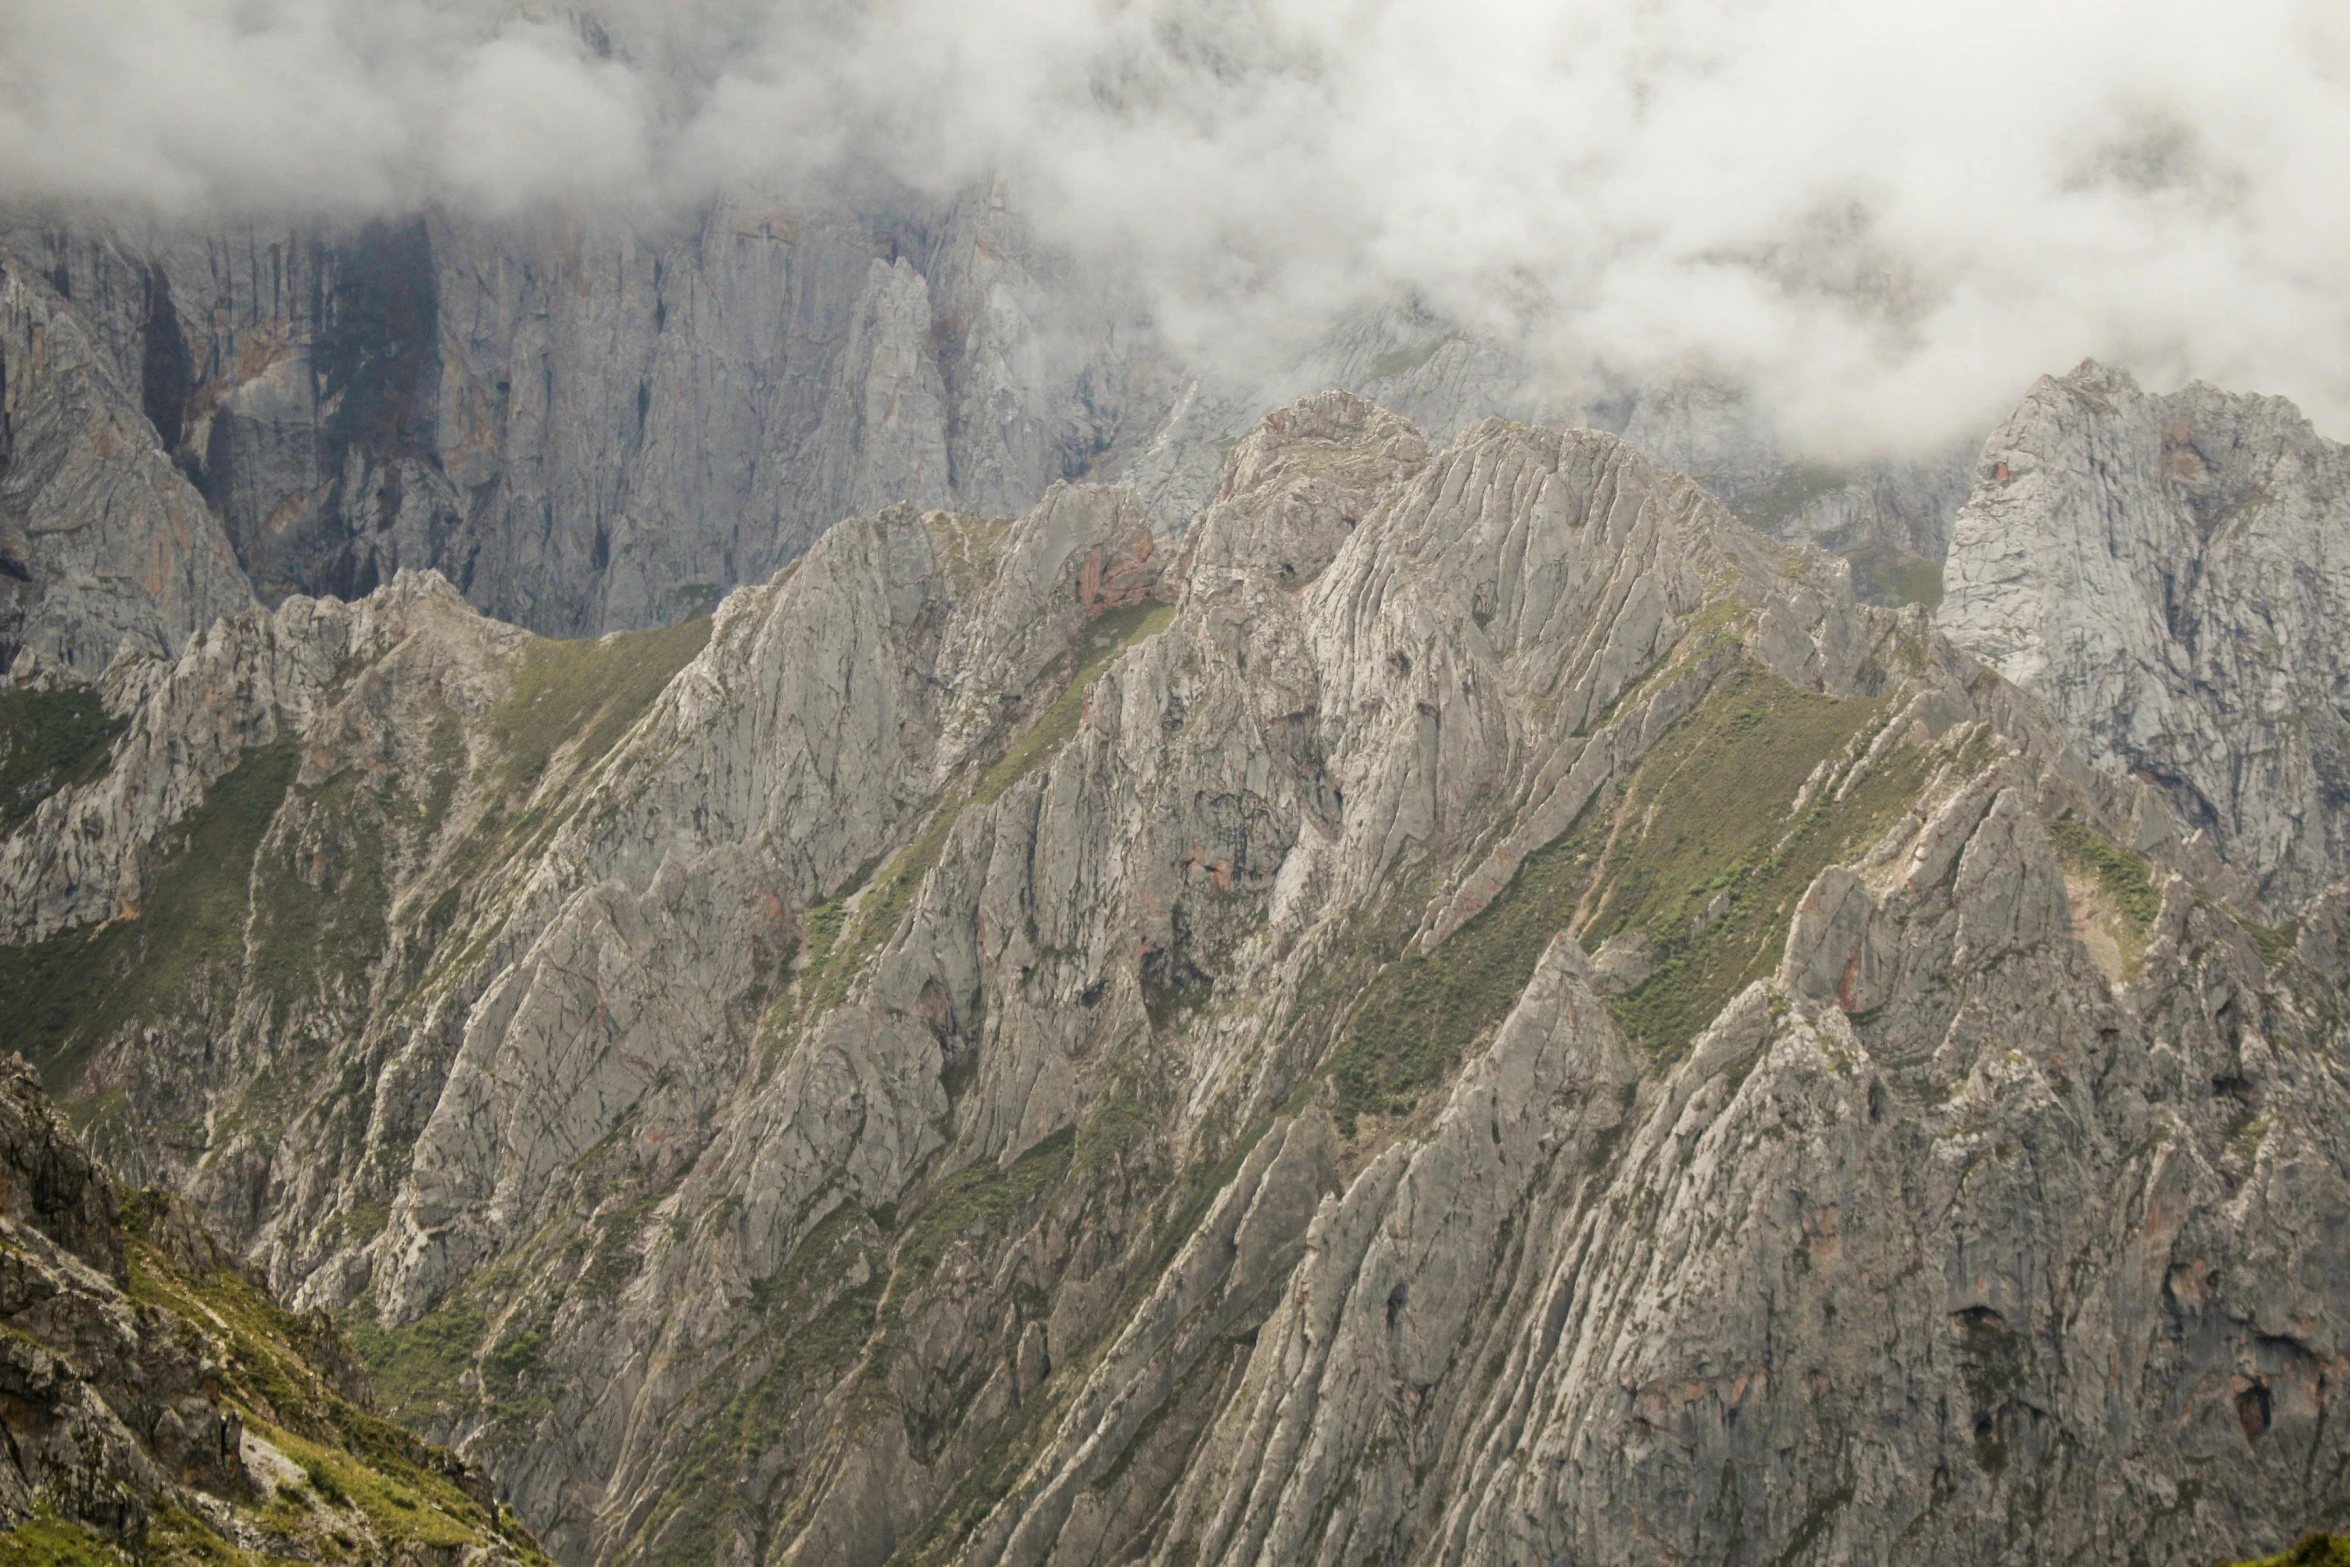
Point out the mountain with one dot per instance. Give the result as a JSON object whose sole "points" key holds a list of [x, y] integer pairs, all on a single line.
{"points": [[1469, 1008], [160, 1407], [585, 424], [2167, 574], [102, 539], [601, 423]]}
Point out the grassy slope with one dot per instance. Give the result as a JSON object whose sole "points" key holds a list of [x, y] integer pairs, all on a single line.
{"points": [[61, 997], [187, 952], [369, 1491], [49, 740], [1700, 857]]}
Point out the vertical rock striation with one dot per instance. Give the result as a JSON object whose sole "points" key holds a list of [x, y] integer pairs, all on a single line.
{"points": [[1472, 1010], [2169, 575]]}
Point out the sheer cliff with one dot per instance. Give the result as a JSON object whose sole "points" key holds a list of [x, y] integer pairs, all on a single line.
{"points": [[584, 424], [598, 423], [1471, 1009], [2170, 575]]}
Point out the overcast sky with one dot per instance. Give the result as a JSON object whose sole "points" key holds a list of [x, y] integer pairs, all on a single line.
{"points": [[1885, 216]]}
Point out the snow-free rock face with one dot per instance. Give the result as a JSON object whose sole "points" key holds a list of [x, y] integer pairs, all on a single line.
{"points": [[103, 543], [1474, 1009], [2170, 576], [589, 424]]}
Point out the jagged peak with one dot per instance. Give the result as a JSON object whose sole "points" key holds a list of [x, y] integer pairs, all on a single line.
{"points": [[1322, 420]]}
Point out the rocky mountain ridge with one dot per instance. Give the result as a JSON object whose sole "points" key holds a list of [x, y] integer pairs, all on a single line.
{"points": [[601, 424], [1472, 1009]]}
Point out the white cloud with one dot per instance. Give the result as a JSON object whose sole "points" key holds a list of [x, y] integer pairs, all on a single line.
{"points": [[1887, 217]]}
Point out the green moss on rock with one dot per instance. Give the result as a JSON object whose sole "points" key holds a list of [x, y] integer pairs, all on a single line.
{"points": [[65, 996], [2314, 1550], [50, 741]]}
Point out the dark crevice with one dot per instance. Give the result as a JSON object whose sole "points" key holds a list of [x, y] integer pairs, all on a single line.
{"points": [[167, 370]]}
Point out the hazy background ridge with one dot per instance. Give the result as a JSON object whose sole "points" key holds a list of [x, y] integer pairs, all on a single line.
{"points": [[1882, 219]]}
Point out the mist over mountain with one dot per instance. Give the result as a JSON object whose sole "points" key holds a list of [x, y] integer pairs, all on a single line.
{"points": [[1086, 783], [1882, 220]]}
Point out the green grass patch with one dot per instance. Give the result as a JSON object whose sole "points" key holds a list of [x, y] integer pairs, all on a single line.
{"points": [[49, 741], [179, 1537], [1425, 1008], [1115, 1128], [417, 1368], [980, 1201], [588, 693], [2126, 878], [1698, 868], [46, 1540], [2277, 944], [351, 1458], [400, 1507], [1712, 874], [65, 996], [2315, 1550]]}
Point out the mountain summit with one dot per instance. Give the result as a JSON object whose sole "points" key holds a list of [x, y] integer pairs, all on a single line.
{"points": [[1468, 1008]]}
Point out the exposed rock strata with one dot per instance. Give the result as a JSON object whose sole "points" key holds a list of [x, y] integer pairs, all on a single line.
{"points": [[2170, 575], [592, 425], [1032, 1046], [103, 543]]}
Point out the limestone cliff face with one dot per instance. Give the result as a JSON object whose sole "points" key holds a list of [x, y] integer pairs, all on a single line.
{"points": [[591, 424], [2168, 574], [103, 542], [1473, 1009]]}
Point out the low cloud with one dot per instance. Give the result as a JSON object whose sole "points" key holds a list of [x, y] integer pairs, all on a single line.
{"points": [[1882, 218]]}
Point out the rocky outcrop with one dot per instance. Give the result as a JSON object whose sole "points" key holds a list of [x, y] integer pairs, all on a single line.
{"points": [[1017, 1043], [2166, 574], [154, 1401]]}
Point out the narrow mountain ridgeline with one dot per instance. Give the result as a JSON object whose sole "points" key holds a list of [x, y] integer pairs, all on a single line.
{"points": [[158, 1406], [1469, 1008]]}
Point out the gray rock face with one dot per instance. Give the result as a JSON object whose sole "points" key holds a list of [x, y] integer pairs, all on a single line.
{"points": [[2168, 574], [103, 543], [1891, 518], [591, 425], [1017, 1043]]}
